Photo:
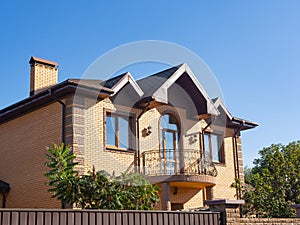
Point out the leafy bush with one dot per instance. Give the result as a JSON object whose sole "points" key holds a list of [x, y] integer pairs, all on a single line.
{"points": [[96, 190]]}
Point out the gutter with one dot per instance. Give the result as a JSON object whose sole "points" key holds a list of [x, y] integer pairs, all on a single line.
{"points": [[245, 122], [235, 155], [203, 130]]}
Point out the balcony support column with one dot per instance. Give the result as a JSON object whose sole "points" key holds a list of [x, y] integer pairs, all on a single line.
{"points": [[209, 193], [165, 196]]}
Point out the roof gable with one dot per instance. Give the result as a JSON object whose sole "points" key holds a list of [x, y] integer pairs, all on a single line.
{"points": [[222, 107], [161, 93], [117, 83], [151, 83]]}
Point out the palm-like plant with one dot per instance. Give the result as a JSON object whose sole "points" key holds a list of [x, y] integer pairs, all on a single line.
{"points": [[63, 178]]}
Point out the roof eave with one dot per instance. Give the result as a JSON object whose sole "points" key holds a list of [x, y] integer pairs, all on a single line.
{"points": [[246, 124], [45, 97]]}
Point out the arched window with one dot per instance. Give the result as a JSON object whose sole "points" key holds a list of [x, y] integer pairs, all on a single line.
{"points": [[168, 121]]}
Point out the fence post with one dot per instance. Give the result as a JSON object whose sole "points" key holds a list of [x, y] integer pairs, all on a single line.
{"points": [[166, 199], [297, 207], [230, 209]]}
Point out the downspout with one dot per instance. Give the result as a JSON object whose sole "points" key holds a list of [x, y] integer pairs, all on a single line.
{"points": [[138, 135], [202, 156], [63, 105], [63, 114], [236, 164]]}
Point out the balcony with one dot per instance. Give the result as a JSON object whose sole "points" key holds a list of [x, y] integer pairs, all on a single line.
{"points": [[174, 165]]}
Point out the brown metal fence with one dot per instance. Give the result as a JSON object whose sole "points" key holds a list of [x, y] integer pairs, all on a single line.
{"points": [[106, 217]]}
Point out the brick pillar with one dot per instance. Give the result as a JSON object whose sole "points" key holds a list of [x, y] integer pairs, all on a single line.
{"points": [[75, 108], [230, 210], [209, 193], [297, 207], [165, 197], [240, 159]]}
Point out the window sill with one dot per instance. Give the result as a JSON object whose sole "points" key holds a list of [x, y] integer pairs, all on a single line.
{"points": [[219, 163], [122, 150]]}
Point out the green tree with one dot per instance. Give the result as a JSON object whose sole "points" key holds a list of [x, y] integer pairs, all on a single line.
{"points": [[273, 184], [96, 190], [63, 178]]}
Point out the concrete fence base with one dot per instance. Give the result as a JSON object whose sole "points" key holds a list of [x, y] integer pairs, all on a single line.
{"points": [[231, 214]]}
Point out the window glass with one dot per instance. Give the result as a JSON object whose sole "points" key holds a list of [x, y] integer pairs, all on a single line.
{"points": [[168, 122], [213, 147], [118, 131], [123, 133], [169, 145], [110, 130], [207, 146]]}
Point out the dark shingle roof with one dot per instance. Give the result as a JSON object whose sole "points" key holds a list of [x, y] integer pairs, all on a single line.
{"points": [[94, 84], [113, 81], [153, 82]]}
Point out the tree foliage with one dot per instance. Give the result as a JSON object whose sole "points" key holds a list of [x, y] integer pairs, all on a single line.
{"points": [[96, 190], [63, 178], [273, 184]]}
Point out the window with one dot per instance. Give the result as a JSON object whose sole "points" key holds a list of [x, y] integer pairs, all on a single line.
{"points": [[213, 147], [169, 145], [118, 131]]}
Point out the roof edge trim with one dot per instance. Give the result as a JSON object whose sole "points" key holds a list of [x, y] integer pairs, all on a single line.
{"points": [[123, 81]]}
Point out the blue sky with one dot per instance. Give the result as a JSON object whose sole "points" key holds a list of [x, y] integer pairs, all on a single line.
{"points": [[253, 48]]}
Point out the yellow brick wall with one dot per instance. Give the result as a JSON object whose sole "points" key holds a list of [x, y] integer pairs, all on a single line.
{"points": [[112, 161], [190, 197], [150, 142], [226, 174], [22, 156]]}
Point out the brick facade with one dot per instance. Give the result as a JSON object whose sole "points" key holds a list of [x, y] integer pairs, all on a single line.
{"points": [[23, 148], [85, 133]]}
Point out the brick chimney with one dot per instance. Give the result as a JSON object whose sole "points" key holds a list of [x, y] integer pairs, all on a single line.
{"points": [[43, 74]]}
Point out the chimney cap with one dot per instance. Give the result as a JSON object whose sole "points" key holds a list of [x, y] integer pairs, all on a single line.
{"points": [[42, 61]]}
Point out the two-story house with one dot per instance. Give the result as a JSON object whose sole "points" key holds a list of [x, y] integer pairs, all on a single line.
{"points": [[164, 126]]}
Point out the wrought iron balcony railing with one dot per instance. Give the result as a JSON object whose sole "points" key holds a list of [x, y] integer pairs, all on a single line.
{"points": [[176, 162]]}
